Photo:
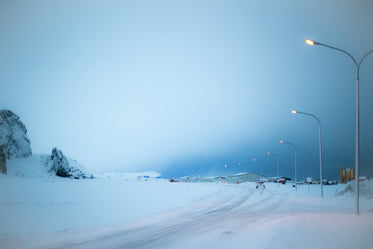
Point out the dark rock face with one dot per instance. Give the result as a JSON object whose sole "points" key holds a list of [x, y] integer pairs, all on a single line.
{"points": [[3, 168], [57, 163], [13, 136]]}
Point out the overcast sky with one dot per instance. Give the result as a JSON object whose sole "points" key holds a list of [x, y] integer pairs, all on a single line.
{"points": [[176, 86]]}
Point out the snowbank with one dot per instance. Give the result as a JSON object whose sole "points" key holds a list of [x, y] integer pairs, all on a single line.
{"points": [[365, 189]]}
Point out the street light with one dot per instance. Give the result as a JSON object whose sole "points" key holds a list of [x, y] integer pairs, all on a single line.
{"points": [[261, 166], [295, 160], [311, 42], [320, 151], [278, 166], [278, 162]]}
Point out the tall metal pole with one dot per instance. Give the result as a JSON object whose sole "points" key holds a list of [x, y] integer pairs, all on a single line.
{"points": [[296, 180], [320, 155], [261, 166], [357, 149], [320, 148], [357, 133], [295, 160], [278, 162], [278, 165]]}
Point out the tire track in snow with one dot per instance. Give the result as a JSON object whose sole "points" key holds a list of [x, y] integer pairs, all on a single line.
{"points": [[164, 230]]}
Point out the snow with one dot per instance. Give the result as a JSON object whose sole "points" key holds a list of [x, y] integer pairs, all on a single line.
{"points": [[36, 166], [130, 175], [124, 211], [365, 189]]}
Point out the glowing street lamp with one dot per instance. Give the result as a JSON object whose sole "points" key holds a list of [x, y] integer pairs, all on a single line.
{"points": [[278, 162], [261, 166], [295, 160], [320, 151], [311, 42], [278, 166]]}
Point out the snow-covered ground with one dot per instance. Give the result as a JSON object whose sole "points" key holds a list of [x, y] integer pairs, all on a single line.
{"points": [[111, 212]]}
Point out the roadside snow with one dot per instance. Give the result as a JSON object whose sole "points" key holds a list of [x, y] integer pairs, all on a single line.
{"points": [[365, 189]]}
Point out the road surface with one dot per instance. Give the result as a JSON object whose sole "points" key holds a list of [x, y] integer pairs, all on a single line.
{"points": [[246, 219], [208, 223]]}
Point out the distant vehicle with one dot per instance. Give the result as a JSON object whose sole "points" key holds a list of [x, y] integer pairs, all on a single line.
{"points": [[260, 184], [329, 182], [173, 180], [281, 180], [278, 179]]}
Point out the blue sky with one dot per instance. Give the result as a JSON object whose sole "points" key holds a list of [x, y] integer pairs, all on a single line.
{"points": [[189, 85]]}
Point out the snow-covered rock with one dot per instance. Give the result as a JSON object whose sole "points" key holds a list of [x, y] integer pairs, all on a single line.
{"points": [[13, 136], [36, 166], [15, 146], [58, 164]]}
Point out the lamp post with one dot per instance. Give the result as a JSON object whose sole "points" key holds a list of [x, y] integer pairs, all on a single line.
{"points": [[261, 166], [278, 166], [295, 160], [320, 150], [311, 42], [278, 162]]}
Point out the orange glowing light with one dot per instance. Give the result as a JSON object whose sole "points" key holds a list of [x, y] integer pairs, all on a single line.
{"points": [[310, 42]]}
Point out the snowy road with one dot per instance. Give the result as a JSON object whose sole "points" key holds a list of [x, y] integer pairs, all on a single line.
{"points": [[219, 216], [237, 216]]}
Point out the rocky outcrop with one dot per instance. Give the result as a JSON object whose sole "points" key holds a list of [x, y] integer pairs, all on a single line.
{"points": [[57, 163], [3, 168], [14, 144], [13, 136]]}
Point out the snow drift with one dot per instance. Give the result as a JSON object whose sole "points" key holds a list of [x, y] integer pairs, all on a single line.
{"points": [[365, 189]]}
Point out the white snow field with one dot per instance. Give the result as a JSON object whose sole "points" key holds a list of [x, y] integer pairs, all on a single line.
{"points": [[52, 212]]}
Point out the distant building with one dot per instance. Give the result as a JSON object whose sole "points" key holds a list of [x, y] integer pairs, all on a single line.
{"points": [[238, 178], [244, 177], [218, 179]]}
